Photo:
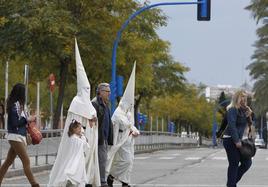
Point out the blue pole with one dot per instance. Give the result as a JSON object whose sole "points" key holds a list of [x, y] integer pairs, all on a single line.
{"points": [[118, 36], [215, 126]]}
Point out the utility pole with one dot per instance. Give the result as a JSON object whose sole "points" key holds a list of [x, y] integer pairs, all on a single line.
{"points": [[6, 92]]}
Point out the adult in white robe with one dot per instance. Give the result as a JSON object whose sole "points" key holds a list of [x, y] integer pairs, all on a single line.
{"points": [[121, 154], [82, 111]]}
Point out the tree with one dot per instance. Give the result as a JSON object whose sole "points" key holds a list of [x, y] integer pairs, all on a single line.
{"points": [[259, 67], [41, 34], [187, 110]]}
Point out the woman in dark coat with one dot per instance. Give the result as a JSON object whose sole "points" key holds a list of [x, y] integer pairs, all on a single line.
{"points": [[17, 122]]}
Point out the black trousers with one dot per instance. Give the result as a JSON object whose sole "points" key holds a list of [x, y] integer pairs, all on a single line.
{"points": [[237, 166]]}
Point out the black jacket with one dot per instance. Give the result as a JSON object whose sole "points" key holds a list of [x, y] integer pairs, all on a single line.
{"points": [[100, 108]]}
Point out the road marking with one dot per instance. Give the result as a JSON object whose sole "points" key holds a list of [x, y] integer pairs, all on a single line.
{"points": [[266, 158], [192, 158], [166, 158], [141, 158], [219, 158], [177, 154]]}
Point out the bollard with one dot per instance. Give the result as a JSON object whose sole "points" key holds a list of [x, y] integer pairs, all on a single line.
{"points": [[36, 160], [47, 148]]}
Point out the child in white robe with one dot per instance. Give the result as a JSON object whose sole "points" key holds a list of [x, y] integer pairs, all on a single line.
{"points": [[74, 172]]}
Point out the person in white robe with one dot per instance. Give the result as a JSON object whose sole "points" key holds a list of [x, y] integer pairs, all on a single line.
{"points": [[83, 112], [121, 154], [78, 141]]}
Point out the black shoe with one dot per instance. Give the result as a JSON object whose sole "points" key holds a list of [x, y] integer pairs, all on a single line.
{"points": [[88, 185], [110, 180]]}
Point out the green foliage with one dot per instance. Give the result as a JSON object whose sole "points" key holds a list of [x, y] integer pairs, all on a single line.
{"points": [[186, 109], [259, 67], [41, 34]]}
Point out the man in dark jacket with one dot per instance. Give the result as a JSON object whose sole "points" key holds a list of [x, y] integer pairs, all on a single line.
{"points": [[101, 104]]}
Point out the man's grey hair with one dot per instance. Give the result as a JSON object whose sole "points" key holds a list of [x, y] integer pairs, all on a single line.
{"points": [[101, 86]]}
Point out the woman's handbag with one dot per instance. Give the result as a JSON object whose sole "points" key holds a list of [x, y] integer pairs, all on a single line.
{"points": [[248, 149], [34, 132]]}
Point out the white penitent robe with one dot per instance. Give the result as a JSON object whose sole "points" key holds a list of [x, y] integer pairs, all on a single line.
{"points": [[70, 164], [92, 161], [121, 154]]}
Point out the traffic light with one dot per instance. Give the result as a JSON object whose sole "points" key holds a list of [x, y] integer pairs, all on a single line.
{"points": [[203, 10]]}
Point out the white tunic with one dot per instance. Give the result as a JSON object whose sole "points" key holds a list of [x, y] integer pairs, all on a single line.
{"points": [[121, 154], [71, 163]]}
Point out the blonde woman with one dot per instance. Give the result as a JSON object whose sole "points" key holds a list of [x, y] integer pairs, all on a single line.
{"points": [[237, 114]]}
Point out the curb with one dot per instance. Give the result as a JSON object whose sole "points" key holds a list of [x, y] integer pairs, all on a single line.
{"points": [[20, 172]]}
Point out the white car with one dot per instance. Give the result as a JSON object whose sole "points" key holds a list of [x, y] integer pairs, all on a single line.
{"points": [[259, 142]]}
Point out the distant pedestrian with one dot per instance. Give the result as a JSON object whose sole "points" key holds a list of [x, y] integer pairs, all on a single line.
{"points": [[105, 130], [121, 155], [237, 114], [17, 122]]}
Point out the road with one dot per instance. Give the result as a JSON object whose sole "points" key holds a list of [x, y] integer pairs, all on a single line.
{"points": [[200, 167]]}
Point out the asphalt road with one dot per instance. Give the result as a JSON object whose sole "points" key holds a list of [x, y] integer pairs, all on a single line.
{"points": [[200, 167]]}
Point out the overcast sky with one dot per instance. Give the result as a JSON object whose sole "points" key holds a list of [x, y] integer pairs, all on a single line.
{"points": [[217, 51]]}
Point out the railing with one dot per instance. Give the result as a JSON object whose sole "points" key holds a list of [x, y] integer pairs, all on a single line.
{"points": [[45, 152]]}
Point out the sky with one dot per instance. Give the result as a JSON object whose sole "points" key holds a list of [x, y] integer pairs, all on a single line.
{"points": [[217, 51]]}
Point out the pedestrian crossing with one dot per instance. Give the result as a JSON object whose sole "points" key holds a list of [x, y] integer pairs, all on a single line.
{"points": [[219, 158], [193, 158], [166, 158], [142, 157]]}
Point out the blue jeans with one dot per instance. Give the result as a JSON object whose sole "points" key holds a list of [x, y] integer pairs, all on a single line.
{"points": [[235, 171]]}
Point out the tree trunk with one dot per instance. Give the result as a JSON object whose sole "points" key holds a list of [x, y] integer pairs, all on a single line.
{"points": [[64, 63]]}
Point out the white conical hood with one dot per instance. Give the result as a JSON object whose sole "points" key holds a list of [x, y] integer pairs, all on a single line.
{"points": [[81, 104], [128, 97], [126, 104], [82, 81]]}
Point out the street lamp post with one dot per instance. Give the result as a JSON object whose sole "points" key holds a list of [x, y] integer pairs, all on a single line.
{"points": [[203, 15], [6, 92]]}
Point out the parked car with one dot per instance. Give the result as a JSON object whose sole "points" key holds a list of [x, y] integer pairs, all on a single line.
{"points": [[259, 142]]}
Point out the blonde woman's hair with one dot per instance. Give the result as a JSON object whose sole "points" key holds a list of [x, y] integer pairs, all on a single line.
{"points": [[236, 99]]}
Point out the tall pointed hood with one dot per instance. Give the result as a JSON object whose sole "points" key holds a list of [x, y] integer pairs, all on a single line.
{"points": [[126, 104], [81, 104], [82, 81], [128, 97]]}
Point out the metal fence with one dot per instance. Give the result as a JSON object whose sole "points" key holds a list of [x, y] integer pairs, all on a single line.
{"points": [[45, 152]]}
